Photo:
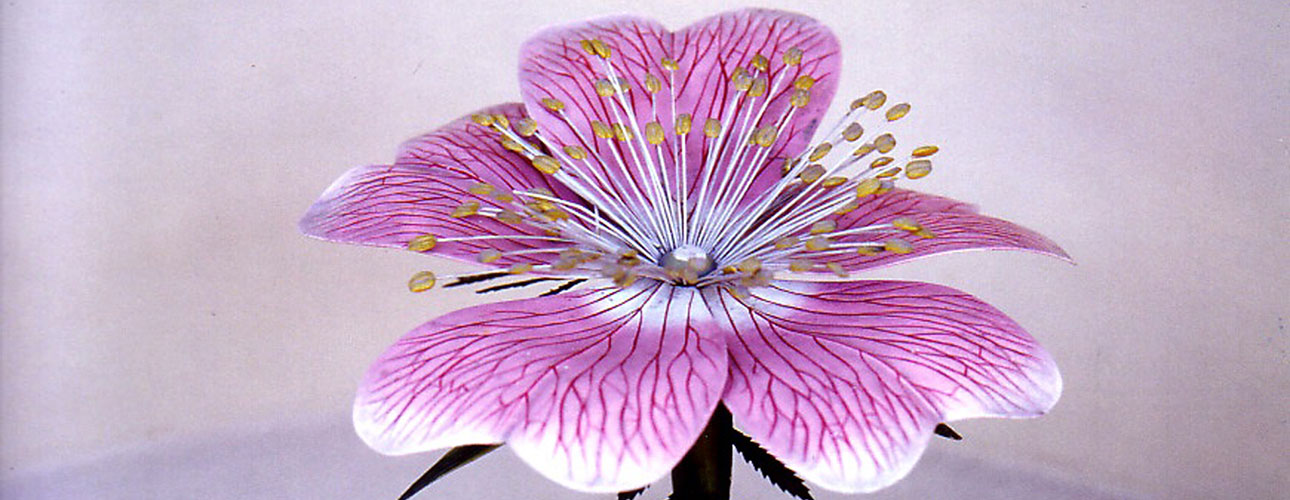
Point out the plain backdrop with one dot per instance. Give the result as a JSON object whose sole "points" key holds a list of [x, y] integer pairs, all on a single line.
{"points": [[156, 157]]}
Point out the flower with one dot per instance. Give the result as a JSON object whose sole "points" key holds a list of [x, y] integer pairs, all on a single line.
{"points": [[674, 170]]}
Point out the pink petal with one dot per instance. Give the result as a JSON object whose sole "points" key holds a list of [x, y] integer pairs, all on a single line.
{"points": [[388, 205], [600, 391], [956, 226], [553, 65], [844, 382]]}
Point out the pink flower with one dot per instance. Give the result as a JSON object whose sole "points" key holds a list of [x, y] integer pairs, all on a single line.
{"points": [[674, 170]]}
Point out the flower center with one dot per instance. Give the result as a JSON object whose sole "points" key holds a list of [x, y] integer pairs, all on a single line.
{"points": [[687, 263]]}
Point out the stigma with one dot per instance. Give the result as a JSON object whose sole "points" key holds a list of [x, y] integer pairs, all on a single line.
{"points": [[686, 264]]}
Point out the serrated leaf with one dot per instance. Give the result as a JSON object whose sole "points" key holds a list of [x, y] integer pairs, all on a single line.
{"points": [[450, 461], [629, 495], [769, 466]]}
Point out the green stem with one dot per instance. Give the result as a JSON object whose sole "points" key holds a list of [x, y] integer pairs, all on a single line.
{"points": [[704, 471]]}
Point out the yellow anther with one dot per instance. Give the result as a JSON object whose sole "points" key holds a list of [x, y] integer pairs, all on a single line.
{"points": [[481, 189], [712, 128], [833, 181], [897, 112], [758, 87], [600, 48], [800, 98], [811, 173], [793, 56], [867, 187], [897, 246], [741, 80], [652, 84], [729, 270], [421, 281], [760, 62], [837, 269], [924, 233], [482, 119], [765, 136], [622, 133], [853, 132], [786, 243], [885, 143], [924, 151], [874, 100], [564, 264], [863, 150], [889, 173], [749, 265], [851, 206], [824, 226], [489, 256], [510, 145], [520, 268], [423, 243], [510, 217], [918, 169], [820, 152], [552, 104], [630, 258], [880, 162], [740, 292], [466, 209], [683, 123], [760, 277], [575, 152], [818, 243], [555, 214], [787, 166], [525, 127], [800, 266], [540, 206], [604, 88], [885, 186], [869, 250], [601, 129], [542, 192], [587, 47], [624, 278], [501, 121], [804, 82], [654, 133], [906, 224], [546, 164], [503, 196], [668, 64]]}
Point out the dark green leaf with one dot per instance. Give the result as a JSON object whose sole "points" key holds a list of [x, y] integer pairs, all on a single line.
{"points": [[514, 284], [769, 466], [946, 432], [449, 462], [563, 287], [476, 278]]}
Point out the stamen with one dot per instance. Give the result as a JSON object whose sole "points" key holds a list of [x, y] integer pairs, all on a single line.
{"points": [[918, 169], [421, 281], [467, 209], [897, 112], [423, 243]]}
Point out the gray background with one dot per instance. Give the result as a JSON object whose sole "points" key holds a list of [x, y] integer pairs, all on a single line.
{"points": [[164, 326]]}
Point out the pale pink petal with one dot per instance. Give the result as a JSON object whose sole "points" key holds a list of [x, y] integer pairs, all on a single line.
{"points": [[553, 65], [599, 391], [955, 225], [388, 205], [844, 382]]}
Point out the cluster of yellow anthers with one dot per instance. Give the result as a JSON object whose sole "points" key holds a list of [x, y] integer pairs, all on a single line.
{"points": [[656, 226]]}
